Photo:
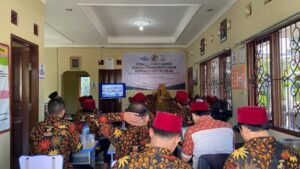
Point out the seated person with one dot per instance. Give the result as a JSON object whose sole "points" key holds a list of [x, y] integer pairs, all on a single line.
{"points": [[89, 104], [136, 136], [55, 136], [181, 108], [138, 98], [261, 150], [207, 136], [165, 135]]}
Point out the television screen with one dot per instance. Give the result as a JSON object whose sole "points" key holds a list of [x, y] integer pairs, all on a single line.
{"points": [[112, 90]]}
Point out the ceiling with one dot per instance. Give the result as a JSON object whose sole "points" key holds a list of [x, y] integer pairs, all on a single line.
{"points": [[108, 23]]}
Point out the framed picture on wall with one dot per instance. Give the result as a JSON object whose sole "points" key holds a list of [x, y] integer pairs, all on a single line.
{"points": [[202, 46], [75, 62], [223, 31]]}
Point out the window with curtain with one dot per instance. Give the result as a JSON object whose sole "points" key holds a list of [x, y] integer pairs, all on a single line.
{"points": [[215, 77], [274, 76]]}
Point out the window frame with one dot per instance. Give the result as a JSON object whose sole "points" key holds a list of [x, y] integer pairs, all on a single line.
{"points": [[206, 75], [274, 37]]}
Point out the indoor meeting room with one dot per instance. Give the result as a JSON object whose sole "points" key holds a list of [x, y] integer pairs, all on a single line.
{"points": [[159, 84]]}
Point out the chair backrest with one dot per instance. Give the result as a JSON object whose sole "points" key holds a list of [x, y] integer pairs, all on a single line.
{"points": [[41, 161], [212, 161]]}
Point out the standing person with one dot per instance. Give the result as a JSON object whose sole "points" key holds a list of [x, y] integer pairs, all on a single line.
{"points": [[132, 139], [260, 149], [207, 136], [163, 98], [165, 135], [55, 136]]}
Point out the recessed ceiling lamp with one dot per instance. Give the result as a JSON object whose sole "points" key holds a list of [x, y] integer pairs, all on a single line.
{"points": [[140, 22]]}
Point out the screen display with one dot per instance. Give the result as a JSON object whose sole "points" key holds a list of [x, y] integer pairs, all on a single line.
{"points": [[112, 90]]}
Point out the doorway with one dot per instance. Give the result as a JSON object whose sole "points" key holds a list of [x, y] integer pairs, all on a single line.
{"points": [[25, 95], [71, 89], [110, 76]]}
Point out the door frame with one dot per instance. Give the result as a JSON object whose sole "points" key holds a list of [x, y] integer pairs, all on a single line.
{"points": [[34, 59]]}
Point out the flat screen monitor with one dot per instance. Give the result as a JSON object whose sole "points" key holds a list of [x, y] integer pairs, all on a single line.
{"points": [[112, 90]]}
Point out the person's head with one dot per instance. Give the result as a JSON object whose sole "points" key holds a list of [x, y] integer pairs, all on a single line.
{"points": [[162, 87], [252, 122], [90, 97], [53, 95], [56, 107], [139, 108], [138, 97], [199, 109], [211, 99], [165, 131], [182, 98], [89, 105]]}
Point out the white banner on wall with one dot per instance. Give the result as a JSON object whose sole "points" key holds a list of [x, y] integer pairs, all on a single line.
{"points": [[4, 89], [148, 70]]}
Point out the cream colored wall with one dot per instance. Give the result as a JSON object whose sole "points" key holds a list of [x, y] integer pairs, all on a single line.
{"points": [[29, 12], [242, 27], [89, 59]]}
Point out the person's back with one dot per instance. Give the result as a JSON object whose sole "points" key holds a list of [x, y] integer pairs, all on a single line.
{"points": [[260, 150], [207, 136], [164, 139], [55, 136], [132, 139]]}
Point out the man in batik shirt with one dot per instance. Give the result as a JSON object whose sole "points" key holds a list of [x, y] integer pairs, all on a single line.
{"points": [[181, 108], [55, 136], [260, 149], [207, 136], [165, 135], [132, 139]]}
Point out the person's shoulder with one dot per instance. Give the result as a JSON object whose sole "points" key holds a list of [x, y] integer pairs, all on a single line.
{"points": [[123, 162]]}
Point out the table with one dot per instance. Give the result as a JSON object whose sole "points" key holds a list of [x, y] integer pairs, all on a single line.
{"points": [[86, 156]]}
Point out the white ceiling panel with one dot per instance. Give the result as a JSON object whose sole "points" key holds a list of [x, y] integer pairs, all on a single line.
{"points": [[108, 22]]}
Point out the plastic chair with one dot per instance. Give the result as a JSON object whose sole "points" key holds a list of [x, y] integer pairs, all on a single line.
{"points": [[41, 161], [212, 161]]}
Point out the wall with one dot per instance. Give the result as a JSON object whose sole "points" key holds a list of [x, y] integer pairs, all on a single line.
{"points": [[59, 62], [29, 12], [242, 27]]}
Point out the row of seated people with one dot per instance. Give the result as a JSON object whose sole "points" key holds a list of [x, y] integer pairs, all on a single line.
{"points": [[147, 144]]}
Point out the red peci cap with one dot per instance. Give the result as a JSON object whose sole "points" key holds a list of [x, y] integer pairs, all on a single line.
{"points": [[182, 97], [199, 106], [82, 99], [89, 104], [139, 97], [167, 122], [211, 99], [252, 115]]}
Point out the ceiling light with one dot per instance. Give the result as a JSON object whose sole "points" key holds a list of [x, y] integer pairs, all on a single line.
{"points": [[141, 23]]}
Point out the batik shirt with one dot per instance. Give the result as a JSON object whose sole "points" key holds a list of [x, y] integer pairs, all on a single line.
{"points": [[152, 158], [55, 136], [207, 136], [259, 152], [182, 111], [126, 141], [86, 117]]}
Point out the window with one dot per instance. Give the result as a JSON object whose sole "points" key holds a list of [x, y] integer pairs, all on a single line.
{"points": [[216, 77], [84, 86], [274, 76]]}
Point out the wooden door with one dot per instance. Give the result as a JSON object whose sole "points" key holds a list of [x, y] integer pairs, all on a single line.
{"points": [[24, 58], [110, 76]]}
